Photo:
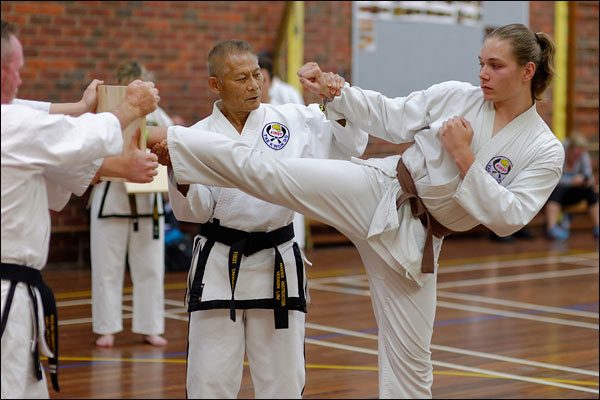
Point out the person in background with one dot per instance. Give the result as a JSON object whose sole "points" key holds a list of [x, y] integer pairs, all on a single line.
{"points": [[128, 229], [45, 159], [277, 92], [576, 184]]}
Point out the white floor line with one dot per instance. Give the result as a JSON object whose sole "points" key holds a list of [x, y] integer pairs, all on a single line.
{"points": [[459, 367], [172, 313], [338, 279], [68, 303], [514, 377], [460, 351], [85, 320], [168, 313], [177, 303], [517, 304], [512, 314], [515, 360], [356, 349], [524, 262], [341, 331], [519, 277], [338, 289]]}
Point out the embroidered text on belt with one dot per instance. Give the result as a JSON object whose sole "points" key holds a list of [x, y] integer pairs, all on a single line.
{"points": [[33, 279], [419, 210], [248, 243]]}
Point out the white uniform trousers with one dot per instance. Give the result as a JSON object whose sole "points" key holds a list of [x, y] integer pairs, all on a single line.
{"points": [[216, 353], [405, 315], [17, 361], [299, 230], [111, 239]]}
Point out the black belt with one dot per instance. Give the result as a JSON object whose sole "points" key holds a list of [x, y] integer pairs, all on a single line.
{"points": [[246, 243], [33, 279], [134, 215]]}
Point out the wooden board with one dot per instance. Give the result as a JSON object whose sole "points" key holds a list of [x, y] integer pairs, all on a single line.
{"points": [[158, 185], [109, 97]]}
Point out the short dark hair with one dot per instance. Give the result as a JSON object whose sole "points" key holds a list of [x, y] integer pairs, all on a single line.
{"points": [[223, 49], [8, 30], [266, 62]]}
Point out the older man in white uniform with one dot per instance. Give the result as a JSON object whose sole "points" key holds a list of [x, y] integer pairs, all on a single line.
{"points": [[480, 156], [270, 331], [45, 158]]}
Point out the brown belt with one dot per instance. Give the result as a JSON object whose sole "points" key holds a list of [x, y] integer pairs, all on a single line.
{"points": [[420, 211]]}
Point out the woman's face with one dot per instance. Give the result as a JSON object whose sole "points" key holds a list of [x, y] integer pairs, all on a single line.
{"points": [[501, 77]]}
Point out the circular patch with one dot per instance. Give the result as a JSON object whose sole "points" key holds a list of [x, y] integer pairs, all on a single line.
{"points": [[498, 167], [275, 135]]}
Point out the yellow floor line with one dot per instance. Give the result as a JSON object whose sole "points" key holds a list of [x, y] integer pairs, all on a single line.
{"points": [[316, 366]]}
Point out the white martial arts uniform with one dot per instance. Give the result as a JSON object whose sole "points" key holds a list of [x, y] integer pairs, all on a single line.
{"points": [[280, 93], [216, 343], [513, 174], [112, 240], [45, 158]]}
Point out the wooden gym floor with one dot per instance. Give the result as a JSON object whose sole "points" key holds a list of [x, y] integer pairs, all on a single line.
{"points": [[514, 320]]}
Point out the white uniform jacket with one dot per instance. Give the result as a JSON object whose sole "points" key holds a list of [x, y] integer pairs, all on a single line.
{"points": [[45, 158], [282, 92], [285, 131], [513, 174]]}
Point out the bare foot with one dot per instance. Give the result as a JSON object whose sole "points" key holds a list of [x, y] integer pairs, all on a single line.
{"points": [[156, 340], [106, 341]]}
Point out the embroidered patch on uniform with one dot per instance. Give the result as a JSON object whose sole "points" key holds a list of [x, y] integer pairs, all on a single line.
{"points": [[498, 167], [275, 135]]}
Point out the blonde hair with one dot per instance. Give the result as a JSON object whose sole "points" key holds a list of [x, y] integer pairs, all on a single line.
{"points": [[578, 141], [132, 70]]}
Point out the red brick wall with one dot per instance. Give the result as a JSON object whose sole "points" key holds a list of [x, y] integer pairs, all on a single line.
{"points": [[585, 90], [69, 43]]}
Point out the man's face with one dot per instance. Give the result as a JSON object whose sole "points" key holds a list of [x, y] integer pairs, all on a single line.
{"points": [[240, 83], [11, 80], [501, 77]]}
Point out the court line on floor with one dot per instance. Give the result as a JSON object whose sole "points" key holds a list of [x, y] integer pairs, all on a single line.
{"points": [[521, 262], [456, 350], [517, 304], [492, 265], [322, 283], [513, 314], [519, 277], [87, 361], [584, 254], [581, 252], [581, 259], [494, 374], [478, 309], [354, 286]]}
